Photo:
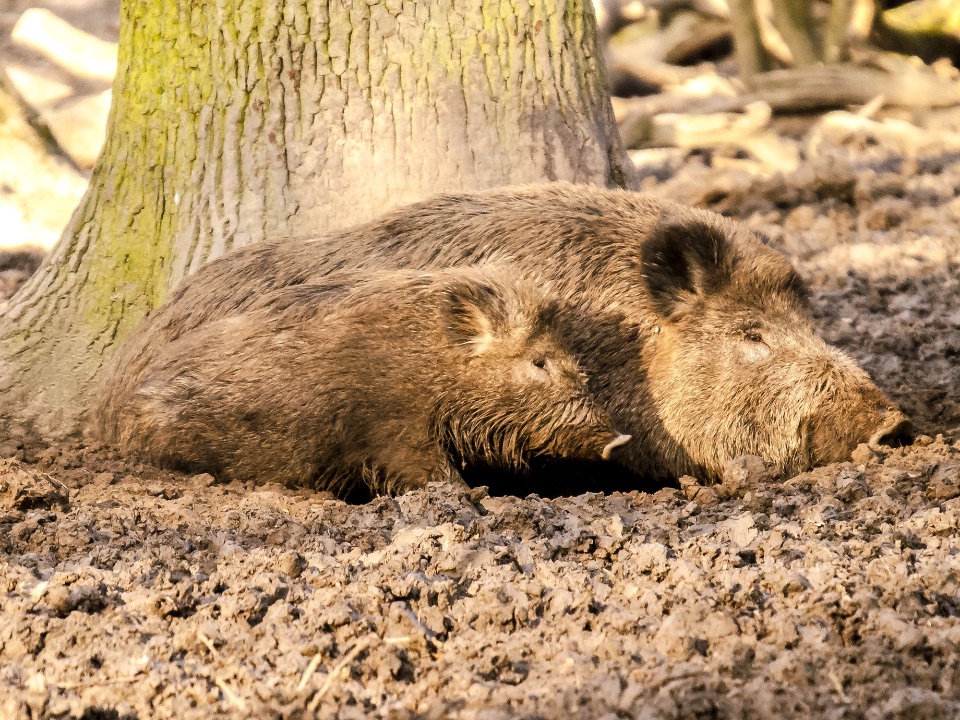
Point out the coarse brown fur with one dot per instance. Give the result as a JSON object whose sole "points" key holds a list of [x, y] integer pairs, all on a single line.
{"points": [[694, 334], [381, 377]]}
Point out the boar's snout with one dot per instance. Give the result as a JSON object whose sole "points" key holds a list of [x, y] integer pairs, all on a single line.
{"points": [[896, 430], [835, 439]]}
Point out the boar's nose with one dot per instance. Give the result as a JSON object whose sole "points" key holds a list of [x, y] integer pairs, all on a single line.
{"points": [[615, 443], [896, 431]]}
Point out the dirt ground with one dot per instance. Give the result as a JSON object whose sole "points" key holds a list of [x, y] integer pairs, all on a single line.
{"points": [[128, 592]]}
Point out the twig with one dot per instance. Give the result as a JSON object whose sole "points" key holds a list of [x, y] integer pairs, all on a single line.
{"points": [[870, 109], [87, 683], [234, 699], [402, 640], [838, 685], [209, 643], [308, 673], [335, 674], [823, 86]]}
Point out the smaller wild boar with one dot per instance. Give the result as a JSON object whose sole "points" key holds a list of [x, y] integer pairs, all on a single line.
{"points": [[387, 378]]}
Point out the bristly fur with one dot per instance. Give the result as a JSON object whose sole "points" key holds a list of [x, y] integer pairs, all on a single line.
{"points": [[667, 298], [373, 377]]}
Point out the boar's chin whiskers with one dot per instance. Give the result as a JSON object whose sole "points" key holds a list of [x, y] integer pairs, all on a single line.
{"points": [[475, 438]]}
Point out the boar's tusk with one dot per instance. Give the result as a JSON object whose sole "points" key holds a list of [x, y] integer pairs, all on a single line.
{"points": [[615, 443]]}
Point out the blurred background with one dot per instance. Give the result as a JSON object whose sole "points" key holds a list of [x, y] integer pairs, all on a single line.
{"points": [[57, 62]]}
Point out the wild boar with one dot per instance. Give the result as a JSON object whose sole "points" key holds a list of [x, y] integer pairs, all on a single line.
{"points": [[385, 378], [694, 334]]}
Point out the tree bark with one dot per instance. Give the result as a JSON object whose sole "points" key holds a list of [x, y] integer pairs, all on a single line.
{"points": [[239, 121], [835, 48], [792, 19]]}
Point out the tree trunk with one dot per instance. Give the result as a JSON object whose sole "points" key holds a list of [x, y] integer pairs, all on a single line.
{"points": [[752, 56], [793, 20], [239, 121]]}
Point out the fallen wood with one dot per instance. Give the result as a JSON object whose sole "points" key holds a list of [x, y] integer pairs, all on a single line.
{"points": [[747, 131], [739, 193], [707, 33], [633, 109], [649, 72], [797, 90], [832, 86], [842, 128], [76, 51], [20, 122]]}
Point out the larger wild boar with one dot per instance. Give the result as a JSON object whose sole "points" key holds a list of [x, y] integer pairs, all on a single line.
{"points": [[694, 335], [380, 378]]}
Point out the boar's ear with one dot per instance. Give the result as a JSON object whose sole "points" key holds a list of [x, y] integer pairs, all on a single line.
{"points": [[682, 260], [476, 313]]}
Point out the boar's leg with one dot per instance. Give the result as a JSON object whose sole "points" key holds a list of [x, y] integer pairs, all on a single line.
{"points": [[400, 468]]}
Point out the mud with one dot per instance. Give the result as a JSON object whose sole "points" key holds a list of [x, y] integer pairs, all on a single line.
{"points": [[127, 591]]}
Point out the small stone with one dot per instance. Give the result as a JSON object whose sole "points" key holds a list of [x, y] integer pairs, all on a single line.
{"points": [[742, 530], [667, 495], [744, 473], [945, 483], [652, 558], [916, 703], [850, 486], [886, 214], [863, 454], [475, 495], [708, 496], [291, 563], [57, 599], [701, 494], [203, 480], [11, 448], [162, 490], [689, 486], [794, 585], [230, 550], [23, 488], [87, 598]]}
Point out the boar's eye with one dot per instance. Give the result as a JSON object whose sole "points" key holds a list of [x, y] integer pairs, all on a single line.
{"points": [[540, 363], [753, 336]]}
